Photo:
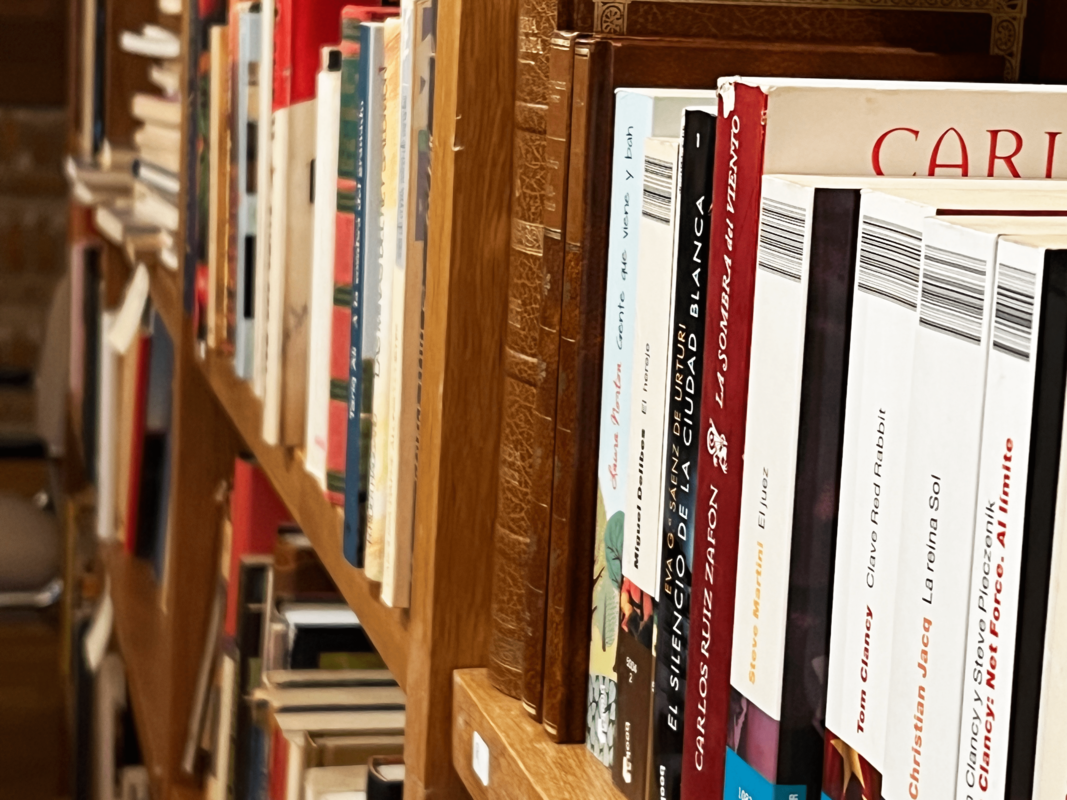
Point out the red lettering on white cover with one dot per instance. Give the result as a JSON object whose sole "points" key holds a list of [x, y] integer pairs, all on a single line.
{"points": [[1052, 135], [876, 151], [962, 166], [994, 158]]}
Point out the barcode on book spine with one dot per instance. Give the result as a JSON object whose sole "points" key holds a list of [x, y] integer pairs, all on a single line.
{"points": [[1013, 313], [781, 238], [659, 183], [953, 293], [889, 261]]}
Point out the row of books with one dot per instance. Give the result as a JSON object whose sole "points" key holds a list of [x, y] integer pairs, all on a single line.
{"points": [[346, 151], [291, 701], [830, 415], [310, 236]]}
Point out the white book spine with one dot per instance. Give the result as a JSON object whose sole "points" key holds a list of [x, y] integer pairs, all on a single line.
{"points": [[884, 323], [106, 428], [320, 310], [642, 551], [633, 123], [776, 366], [997, 542], [381, 255], [396, 588], [940, 492], [263, 197], [1050, 767], [244, 113], [275, 317]]}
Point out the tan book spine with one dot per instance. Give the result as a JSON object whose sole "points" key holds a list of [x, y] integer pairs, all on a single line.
{"points": [[530, 353]]}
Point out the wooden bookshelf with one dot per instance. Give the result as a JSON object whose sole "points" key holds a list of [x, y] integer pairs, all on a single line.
{"points": [[318, 518], [141, 630], [523, 763]]}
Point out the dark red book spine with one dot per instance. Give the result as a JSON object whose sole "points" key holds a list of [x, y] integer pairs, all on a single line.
{"points": [[727, 336], [140, 411], [256, 513]]}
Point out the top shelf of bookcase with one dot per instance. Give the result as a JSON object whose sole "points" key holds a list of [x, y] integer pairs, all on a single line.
{"points": [[320, 520]]}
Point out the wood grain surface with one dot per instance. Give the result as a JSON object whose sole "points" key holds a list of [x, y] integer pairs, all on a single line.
{"points": [[523, 763]]}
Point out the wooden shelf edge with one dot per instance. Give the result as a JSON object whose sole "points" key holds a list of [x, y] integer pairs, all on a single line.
{"points": [[318, 518], [166, 296], [523, 763], [141, 630]]}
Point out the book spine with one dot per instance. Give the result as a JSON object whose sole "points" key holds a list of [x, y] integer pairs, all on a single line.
{"points": [[633, 124], [407, 305], [580, 350], [885, 311], [107, 432], [1039, 534], [320, 297], [530, 366], [536, 576], [264, 150], [275, 274], [346, 317], [1011, 445], [237, 42], [764, 542], [835, 224], [643, 518], [1049, 767], [940, 495], [245, 142], [137, 439], [727, 329], [366, 294], [385, 187], [685, 369]]}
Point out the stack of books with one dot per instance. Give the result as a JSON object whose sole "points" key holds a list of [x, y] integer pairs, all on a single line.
{"points": [[308, 244], [289, 683], [820, 552]]}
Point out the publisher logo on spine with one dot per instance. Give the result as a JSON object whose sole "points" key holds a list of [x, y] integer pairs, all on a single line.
{"points": [[716, 446]]}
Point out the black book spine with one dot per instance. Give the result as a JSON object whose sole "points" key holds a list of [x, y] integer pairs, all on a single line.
{"points": [[682, 448], [1039, 527], [834, 234]]}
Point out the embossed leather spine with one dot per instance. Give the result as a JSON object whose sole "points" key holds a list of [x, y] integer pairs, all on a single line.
{"points": [[527, 436], [578, 397]]}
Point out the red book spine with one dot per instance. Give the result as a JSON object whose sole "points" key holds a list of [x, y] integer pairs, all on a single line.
{"points": [[727, 336], [279, 765], [256, 512], [283, 56], [140, 409], [340, 341]]}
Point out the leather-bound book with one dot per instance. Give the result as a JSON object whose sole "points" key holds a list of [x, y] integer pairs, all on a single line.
{"points": [[528, 429], [602, 64]]}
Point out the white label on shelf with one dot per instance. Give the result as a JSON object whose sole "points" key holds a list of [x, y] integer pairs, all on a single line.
{"points": [[480, 758]]}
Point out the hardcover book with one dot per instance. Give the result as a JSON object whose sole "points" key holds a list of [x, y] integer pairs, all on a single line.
{"points": [[345, 315], [383, 258], [244, 140], [366, 293], [416, 44], [320, 297]]}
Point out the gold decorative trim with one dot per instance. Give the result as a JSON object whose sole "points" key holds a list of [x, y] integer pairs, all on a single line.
{"points": [[1006, 38]]}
